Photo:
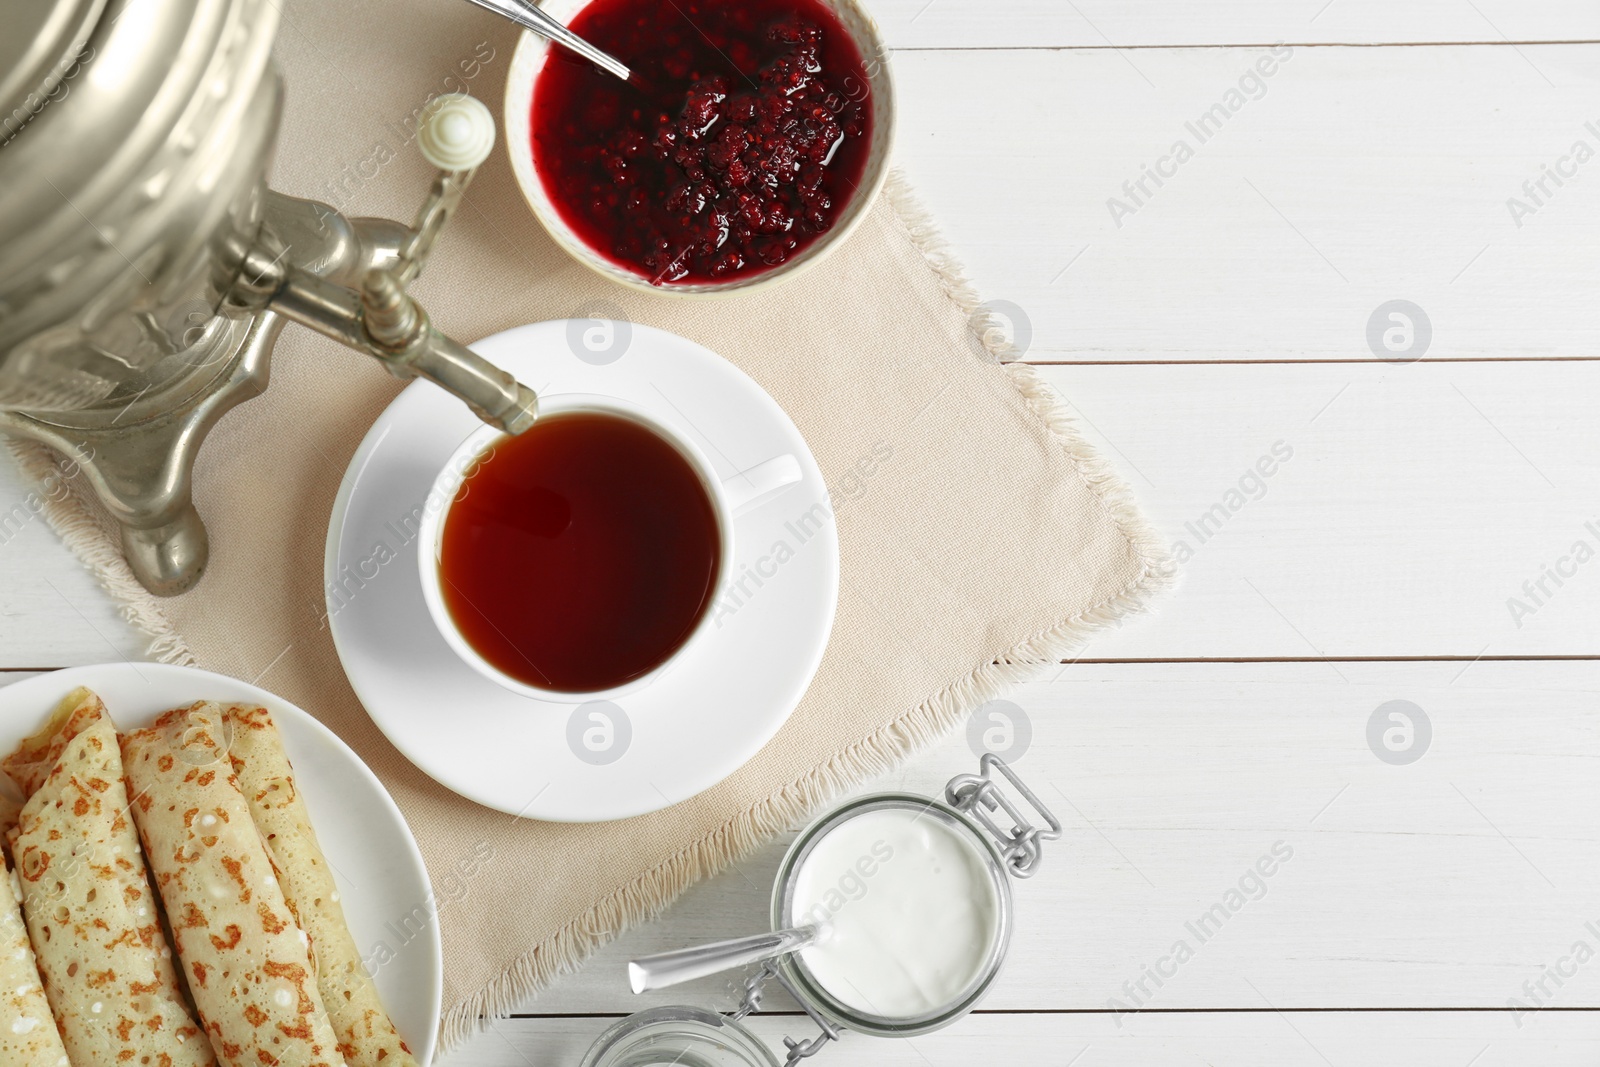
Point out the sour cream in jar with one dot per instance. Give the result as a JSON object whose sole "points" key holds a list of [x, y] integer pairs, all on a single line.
{"points": [[909, 907]]}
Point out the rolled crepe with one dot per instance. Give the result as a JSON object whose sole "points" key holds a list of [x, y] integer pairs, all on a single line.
{"points": [[10, 815], [367, 1037], [38, 755], [248, 963], [28, 1034], [96, 929]]}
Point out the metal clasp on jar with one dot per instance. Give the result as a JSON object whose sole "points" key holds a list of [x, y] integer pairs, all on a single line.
{"points": [[798, 1050], [978, 795]]}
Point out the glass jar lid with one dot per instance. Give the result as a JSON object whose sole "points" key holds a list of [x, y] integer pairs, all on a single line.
{"points": [[679, 1036]]}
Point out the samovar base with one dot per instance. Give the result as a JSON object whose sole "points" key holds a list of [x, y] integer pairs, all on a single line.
{"points": [[143, 471]]}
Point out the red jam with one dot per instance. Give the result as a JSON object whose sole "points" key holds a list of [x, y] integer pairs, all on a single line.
{"points": [[739, 142]]}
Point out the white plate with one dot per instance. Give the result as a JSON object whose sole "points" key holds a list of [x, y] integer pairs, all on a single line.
{"points": [[382, 881], [696, 723]]}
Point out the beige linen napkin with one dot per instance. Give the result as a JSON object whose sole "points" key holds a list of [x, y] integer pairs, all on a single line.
{"points": [[989, 542]]}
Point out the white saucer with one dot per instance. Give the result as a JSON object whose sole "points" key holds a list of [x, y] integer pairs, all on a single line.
{"points": [[695, 724], [380, 874]]}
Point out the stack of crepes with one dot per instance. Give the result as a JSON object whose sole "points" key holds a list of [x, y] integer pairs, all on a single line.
{"points": [[265, 973]]}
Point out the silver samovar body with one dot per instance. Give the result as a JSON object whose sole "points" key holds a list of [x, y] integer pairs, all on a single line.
{"points": [[146, 269]]}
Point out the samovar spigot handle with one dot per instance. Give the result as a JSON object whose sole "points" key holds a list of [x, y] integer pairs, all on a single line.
{"points": [[455, 133]]}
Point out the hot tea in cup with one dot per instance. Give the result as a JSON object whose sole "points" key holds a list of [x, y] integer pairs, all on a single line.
{"points": [[578, 559]]}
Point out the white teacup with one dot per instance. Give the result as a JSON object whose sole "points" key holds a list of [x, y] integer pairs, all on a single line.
{"points": [[729, 498]]}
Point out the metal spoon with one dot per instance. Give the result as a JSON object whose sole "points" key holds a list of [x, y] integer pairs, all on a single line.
{"points": [[686, 964], [525, 13]]}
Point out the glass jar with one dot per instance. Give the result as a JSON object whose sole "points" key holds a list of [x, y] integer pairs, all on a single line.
{"points": [[1004, 834], [688, 1037]]}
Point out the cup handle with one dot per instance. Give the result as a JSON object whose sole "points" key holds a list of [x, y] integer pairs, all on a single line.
{"points": [[760, 483]]}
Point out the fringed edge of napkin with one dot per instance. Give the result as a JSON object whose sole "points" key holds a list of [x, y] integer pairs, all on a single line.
{"points": [[94, 541]]}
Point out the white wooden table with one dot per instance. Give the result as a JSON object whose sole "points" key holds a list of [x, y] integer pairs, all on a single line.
{"points": [[1221, 313]]}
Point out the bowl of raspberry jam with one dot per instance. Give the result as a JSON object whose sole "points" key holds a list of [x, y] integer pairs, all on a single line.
{"points": [[751, 140]]}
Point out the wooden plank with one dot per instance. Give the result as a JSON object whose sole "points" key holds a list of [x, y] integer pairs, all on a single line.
{"points": [[1446, 883], [53, 612], [1404, 1039], [1418, 501], [1453, 880], [1145, 23], [1349, 178], [1420, 885]]}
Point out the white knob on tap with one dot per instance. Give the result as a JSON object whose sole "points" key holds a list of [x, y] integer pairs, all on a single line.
{"points": [[456, 132]]}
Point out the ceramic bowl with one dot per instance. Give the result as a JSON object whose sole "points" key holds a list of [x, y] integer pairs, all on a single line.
{"points": [[522, 83]]}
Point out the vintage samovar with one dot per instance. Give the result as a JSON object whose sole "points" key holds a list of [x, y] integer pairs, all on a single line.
{"points": [[146, 269]]}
